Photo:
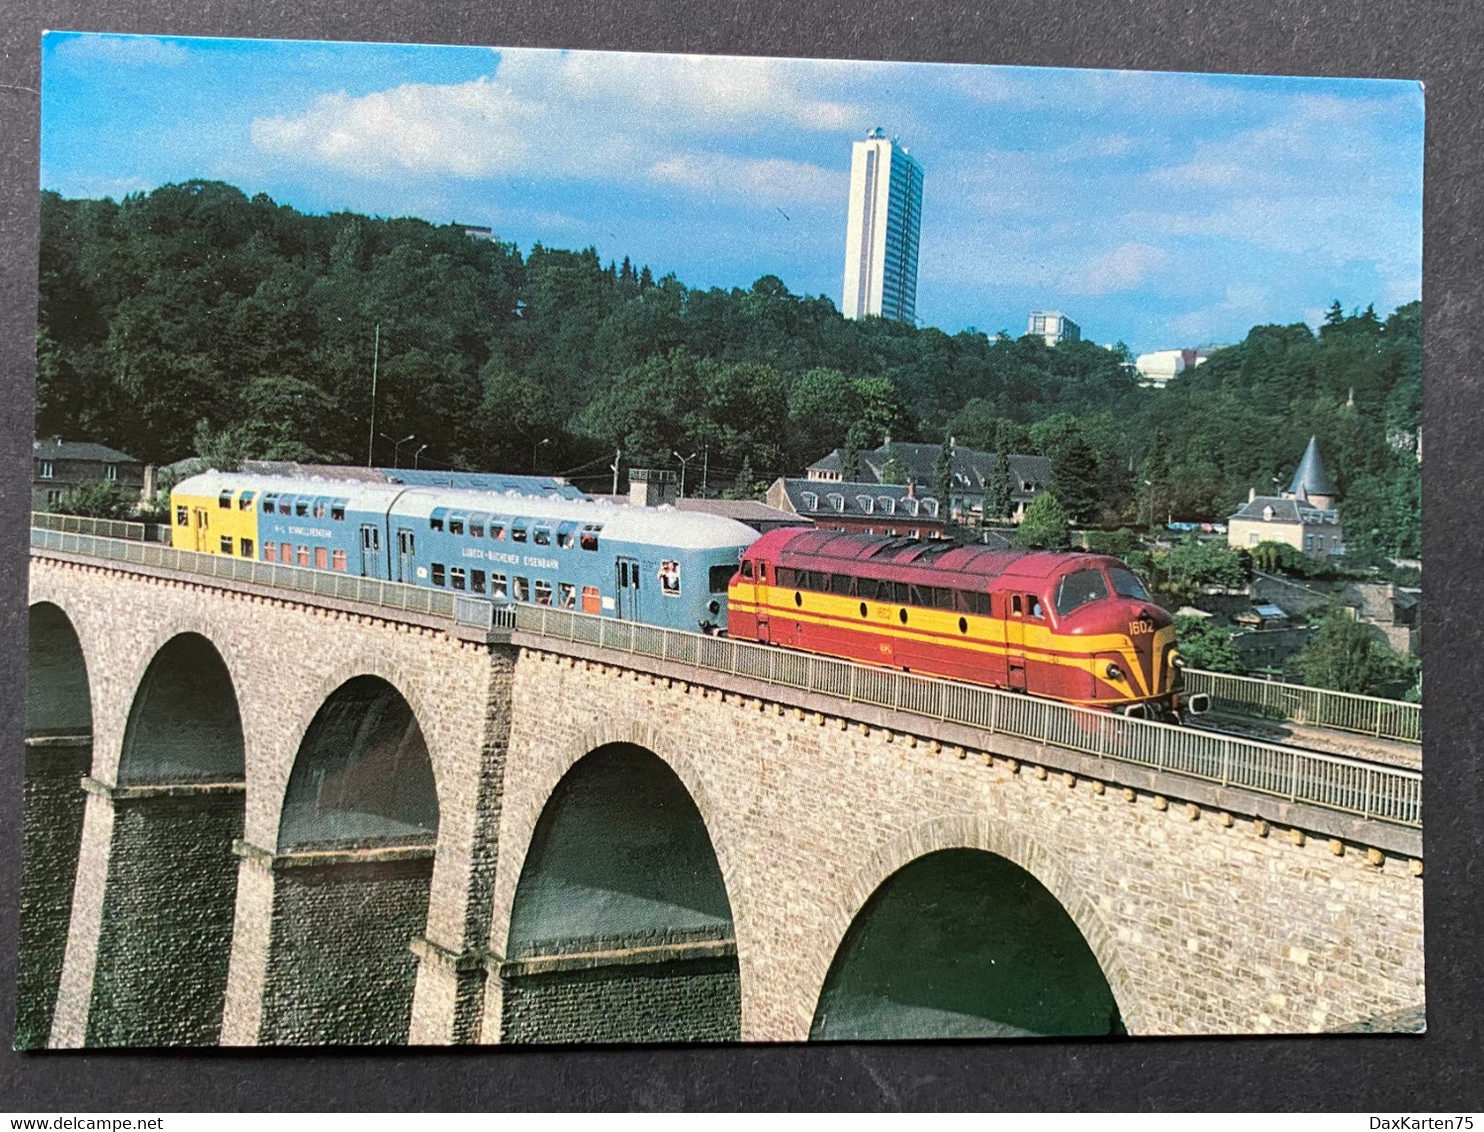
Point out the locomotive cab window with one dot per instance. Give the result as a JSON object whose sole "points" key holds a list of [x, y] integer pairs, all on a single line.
{"points": [[1076, 590], [1126, 584], [1015, 605], [746, 562]]}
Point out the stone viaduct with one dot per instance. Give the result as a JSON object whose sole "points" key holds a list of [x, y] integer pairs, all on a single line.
{"points": [[305, 820]]}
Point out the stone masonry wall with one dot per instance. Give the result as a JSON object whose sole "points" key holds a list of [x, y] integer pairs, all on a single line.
{"points": [[1203, 923], [341, 969], [285, 658], [695, 1000], [52, 831], [161, 973]]}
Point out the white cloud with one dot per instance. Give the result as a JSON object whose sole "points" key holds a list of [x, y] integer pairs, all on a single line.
{"points": [[771, 180], [123, 50], [1125, 268], [1245, 304]]}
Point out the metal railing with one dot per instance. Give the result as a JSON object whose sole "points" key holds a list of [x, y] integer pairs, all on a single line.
{"points": [[107, 528], [300, 579], [1370, 790], [1319, 707], [1355, 786]]}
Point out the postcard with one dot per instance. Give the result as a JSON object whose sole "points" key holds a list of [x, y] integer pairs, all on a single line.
{"points": [[536, 546]]}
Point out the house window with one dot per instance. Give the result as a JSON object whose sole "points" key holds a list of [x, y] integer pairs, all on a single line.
{"points": [[53, 498], [322, 557], [46, 469], [337, 559], [247, 548], [226, 544], [111, 472]]}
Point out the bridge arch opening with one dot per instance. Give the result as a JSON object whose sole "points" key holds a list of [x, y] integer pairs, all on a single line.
{"points": [[963, 943], [178, 806], [353, 872], [621, 928], [59, 751]]}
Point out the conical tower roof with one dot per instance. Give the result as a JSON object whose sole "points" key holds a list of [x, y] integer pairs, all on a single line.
{"points": [[1310, 475]]}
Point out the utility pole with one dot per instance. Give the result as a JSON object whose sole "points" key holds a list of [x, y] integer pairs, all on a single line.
{"points": [[375, 359], [616, 457], [705, 465]]}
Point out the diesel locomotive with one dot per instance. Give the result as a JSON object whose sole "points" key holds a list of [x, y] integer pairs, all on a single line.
{"points": [[659, 566], [1080, 628]]}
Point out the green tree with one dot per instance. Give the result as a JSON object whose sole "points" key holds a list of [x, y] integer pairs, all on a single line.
{"points": [[98, 499], [1075, 480], [1046, 525], [1347, 655], [892, 468], [997, 492], [1194, 563], [943, 478], [1204, 644]]}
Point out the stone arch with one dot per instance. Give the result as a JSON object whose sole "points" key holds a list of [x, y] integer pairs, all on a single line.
{"points": [[166, 929], [354, 849], [975, 832], [59, 747], [619, 865]]}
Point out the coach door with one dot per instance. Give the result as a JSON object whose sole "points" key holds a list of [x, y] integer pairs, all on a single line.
{"points": [[406, 552], [1016, 611], [202, 527], [370, 551], [626, 588]]}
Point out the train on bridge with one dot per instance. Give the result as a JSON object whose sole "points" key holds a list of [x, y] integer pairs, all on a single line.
{"points": [[1080, 628]]}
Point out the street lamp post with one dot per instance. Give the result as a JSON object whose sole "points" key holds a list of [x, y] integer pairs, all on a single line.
{"points": [[397, 446], [416, 454], [682, 460], [536, 447]]}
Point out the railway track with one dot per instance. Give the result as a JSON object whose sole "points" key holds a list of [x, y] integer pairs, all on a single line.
{"points": [[1322, 740]]}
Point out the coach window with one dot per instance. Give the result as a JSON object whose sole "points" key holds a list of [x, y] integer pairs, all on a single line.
{"points": [[304, 555], [301, 508], [337, 508], [476, 525], [592, 600], [567, 535], [438, 573], [285, 506], [476, 581], [246, 547], [588, 540], [270, 501], [567, 593], [497, 529], [521, 590], [435, 520], [543, 592], [224, 500], [270, 551], [456, 524], [518, 530], [226, 544], [319, 508], [541, 536], [497, 585], [321, 558], [721, 577], [182, 516], [456, 577], [337, 560], [244, 501]]}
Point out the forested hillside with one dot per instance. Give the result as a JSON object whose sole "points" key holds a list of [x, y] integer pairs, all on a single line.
{"points": [[193, 318]]}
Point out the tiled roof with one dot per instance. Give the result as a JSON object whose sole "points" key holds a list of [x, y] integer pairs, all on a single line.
{"points": [[859, 500], [1310, 474], [972, 468], [79, 450], [1284, 511]]}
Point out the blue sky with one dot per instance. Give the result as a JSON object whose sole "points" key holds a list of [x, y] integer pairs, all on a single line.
{"points": [[1161, 209]]}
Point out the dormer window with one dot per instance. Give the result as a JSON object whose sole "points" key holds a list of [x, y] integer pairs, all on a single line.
{"points": [[865, 503], [811, 500], [888, 504], [46, 469], [836, 501], [1267, 514], [932, 507]]}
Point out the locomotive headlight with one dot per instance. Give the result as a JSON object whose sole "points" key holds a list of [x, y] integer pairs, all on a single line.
{"points": [[1177, 660], [1114, 672]]}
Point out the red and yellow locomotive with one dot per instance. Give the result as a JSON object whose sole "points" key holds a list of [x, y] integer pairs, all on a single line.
{"points": [[1080, 628]]}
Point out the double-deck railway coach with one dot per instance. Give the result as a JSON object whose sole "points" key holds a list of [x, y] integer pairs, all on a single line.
{"points": [[1076, 627], [655, 565]]}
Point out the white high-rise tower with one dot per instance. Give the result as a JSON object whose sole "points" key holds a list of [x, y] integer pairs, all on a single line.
{"points": [[881, 235]]}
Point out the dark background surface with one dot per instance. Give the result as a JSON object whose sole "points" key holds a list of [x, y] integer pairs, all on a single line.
{"points": [[1438, 43]]}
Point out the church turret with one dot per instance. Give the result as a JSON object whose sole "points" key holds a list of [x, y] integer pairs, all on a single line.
{"points": [[1310, 482]]}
